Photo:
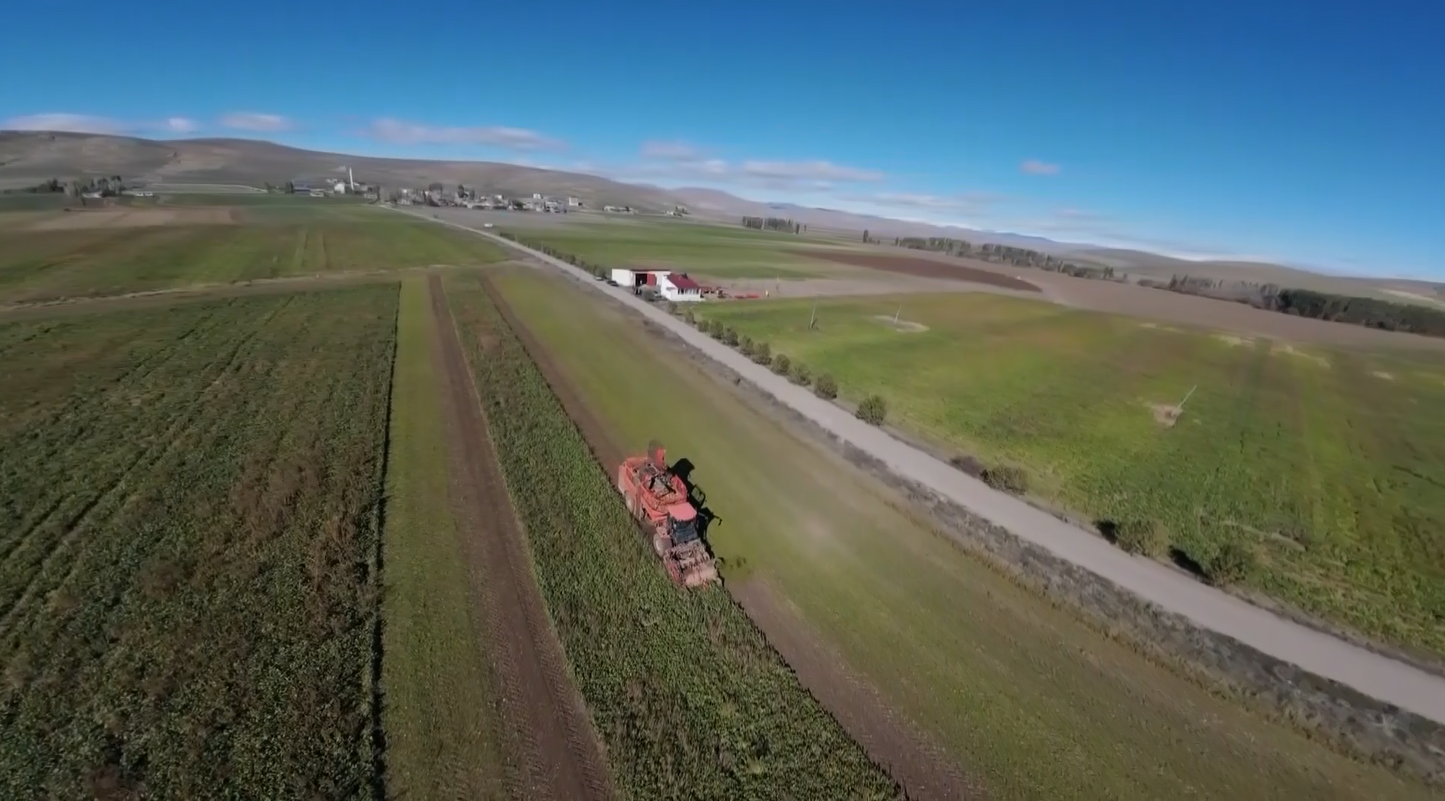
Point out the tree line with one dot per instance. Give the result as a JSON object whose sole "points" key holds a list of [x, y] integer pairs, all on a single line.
{"points": [[1354, 310], [106, 185], [774, 224]]}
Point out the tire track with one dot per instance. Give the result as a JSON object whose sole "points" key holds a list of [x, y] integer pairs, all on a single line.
{"points": [[553, 755]]}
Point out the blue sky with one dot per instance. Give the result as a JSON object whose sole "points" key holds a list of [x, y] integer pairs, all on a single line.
{"points": [[1307, 132]]}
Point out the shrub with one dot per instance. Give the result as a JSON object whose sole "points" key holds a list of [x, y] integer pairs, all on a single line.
{"points": [[730, 336], [781, 364], [872, 410], [689, 318], [762, 353], [801, 374], [703, 324], [1140, 537], [1007, 478], [717, 330], [826, 387], [672, 307], [1231, 564], [746, 346]]}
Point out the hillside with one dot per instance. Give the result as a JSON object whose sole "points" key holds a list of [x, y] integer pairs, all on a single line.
{"points": [[29, 157]]}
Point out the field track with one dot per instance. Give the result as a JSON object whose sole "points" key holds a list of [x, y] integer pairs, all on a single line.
{"points": [[922, 769], [1375, 675], [555, 754]]}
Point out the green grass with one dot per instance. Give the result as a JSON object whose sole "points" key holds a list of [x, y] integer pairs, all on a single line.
{"points": [[1018, 691], [1323, 463], [442, 738], [188, 533], [704, 250], [687, 695], [275, 242]]}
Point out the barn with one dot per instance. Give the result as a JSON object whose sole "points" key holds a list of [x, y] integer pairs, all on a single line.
{"points": [[669, 285]]}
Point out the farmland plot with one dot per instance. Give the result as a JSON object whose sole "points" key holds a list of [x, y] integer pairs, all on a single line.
{"points": [[46, 265], [1319, 462], [188, 536], [1020, 695], [688, 696]]}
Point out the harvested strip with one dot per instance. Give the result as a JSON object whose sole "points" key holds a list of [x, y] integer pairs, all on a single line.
{"points": [[555, 756]]}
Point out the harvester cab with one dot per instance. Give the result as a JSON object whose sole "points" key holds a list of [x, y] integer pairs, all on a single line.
{"points": [[658, 498]]}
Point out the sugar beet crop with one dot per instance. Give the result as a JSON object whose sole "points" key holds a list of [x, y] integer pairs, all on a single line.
{"points": [[688, 696], [188, 528]]}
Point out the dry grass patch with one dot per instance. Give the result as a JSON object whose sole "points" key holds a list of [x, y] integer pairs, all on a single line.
{"points": [[1235, 341], [124, 217], [1290, 350]]}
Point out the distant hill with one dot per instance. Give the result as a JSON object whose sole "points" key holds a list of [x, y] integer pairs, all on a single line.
{"points": [[1153, 265], [29, 157]]}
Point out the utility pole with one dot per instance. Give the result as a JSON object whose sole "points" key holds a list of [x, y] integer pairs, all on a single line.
{"points": [[1180, 407], [813, 319], [895, 314]]}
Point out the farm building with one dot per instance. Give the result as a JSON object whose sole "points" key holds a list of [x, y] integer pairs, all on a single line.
{"points": [[670, 285]]}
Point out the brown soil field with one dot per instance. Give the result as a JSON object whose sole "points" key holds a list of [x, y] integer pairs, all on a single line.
{"points": [[923, 268], [123, 217], [926, 772], [555, 752]]}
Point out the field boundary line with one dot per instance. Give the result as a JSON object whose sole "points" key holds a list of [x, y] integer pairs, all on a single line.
{"points": [[1377, 707]]}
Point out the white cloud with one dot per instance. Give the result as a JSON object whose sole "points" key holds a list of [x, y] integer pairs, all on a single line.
{"points": [[73, 123], [1036, 167], [808, 171], [973, 201], [181, 125], [253, 121], [670, 151], [406, 133]]}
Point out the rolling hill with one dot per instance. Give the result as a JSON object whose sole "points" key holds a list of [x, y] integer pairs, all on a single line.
{"points": [[27, 157]]}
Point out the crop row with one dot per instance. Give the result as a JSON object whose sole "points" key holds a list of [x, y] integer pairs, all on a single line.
{"points": [[687, 694], [190, 607]]}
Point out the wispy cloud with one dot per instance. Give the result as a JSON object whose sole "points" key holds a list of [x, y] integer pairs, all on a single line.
{"points": [[671, 151], [254, 121], [975, 202], [1036, 167], [73, 123], [93, 124], [675, 161], [408, 133], [809, 171]]}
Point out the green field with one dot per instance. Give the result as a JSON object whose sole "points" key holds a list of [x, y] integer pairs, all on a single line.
{"points": [[273, 241], [703, 250], [688, 696], [188, 541], [1323, 464], [1017, 690], [442, 733]]}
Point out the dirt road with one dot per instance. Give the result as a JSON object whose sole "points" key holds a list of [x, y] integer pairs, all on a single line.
{"points": [[555, 754], [1372, 674]]}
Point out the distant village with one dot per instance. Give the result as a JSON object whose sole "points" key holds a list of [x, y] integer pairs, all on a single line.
{"points": [[461, 196]]}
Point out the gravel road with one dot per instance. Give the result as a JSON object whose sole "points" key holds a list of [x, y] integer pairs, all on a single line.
{"points": [[1370, 673]]}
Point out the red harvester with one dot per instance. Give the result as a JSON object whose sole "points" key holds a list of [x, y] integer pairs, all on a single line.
{"points": [[658, 498]]}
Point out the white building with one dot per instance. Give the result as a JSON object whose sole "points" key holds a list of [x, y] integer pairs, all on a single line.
{"points": [[574, 202], [670, 285]]}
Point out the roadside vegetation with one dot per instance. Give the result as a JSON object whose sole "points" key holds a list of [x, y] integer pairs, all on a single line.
{"points": [[687, 695], [188, 542], [1300, 473]]}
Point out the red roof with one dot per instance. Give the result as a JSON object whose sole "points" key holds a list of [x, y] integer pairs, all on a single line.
{"points": [[681, 281]]}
